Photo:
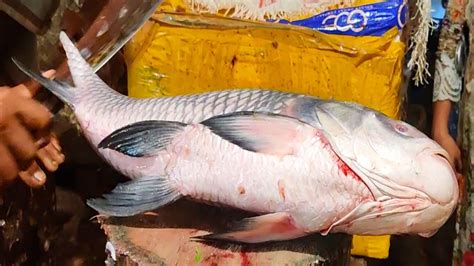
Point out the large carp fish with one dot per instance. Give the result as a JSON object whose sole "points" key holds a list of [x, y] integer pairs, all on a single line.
{"points": [[303, 165]]}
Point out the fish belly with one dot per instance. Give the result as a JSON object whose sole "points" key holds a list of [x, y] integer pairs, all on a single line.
{"points": [[309, 185]]}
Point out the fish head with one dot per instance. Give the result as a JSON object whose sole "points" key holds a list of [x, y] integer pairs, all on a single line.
{"points": [[402, 163], [408, 173], [402, 155]]}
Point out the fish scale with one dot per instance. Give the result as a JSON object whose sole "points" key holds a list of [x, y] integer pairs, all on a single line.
{"points": [[262, 163], [303, 165], [154, 108]]}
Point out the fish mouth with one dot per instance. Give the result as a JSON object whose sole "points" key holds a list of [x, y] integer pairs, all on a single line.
{"points": [[420, 182], [440, 183], [438, 152], [437, 185]]}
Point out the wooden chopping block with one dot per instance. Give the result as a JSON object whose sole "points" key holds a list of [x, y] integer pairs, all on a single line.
{"points": [[163, 238]]}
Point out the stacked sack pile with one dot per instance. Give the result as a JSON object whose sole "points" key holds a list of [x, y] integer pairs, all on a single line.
{"points": [[339, 49]]}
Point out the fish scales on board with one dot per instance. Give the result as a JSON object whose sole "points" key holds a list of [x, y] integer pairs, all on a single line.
{"points": [[303, 165]]}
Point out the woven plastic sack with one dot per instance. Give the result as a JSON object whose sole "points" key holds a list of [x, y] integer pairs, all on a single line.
{"points": [[171, 58]]}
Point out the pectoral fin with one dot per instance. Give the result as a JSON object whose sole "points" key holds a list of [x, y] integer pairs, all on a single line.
{"points": [[144, 138], [269, 227], [261, 132]]}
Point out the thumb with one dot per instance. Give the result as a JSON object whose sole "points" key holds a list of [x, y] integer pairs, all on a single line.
{"points": [[34, 176], [31, 87], [452, 161]]}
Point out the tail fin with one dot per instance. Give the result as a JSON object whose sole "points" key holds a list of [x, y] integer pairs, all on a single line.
{"points": [[86, 82], [60, 89]]}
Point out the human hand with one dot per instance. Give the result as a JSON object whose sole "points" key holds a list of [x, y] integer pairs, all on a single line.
{"points": [[24, 137], [449, 144], [50, 157], [462, 188]]}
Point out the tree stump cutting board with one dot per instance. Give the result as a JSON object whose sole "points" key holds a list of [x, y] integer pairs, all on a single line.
{"points": [[163, 238]]}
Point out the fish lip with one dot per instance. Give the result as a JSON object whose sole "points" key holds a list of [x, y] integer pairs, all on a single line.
{"points": [[437, 152], [442, 154]]}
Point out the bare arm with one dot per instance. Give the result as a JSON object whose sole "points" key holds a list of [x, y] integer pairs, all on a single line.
{"points": [[441, 112], [447, 81]]}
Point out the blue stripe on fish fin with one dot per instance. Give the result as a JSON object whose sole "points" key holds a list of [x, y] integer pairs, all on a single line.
{"points": [[144, 138], [270, 227], [59, 88], [260, 132], [136, 196]]}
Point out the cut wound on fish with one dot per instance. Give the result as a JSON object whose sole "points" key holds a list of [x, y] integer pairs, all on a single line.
{"points": [[261, 132], [269, 227], [145, 138], [136, 196]]}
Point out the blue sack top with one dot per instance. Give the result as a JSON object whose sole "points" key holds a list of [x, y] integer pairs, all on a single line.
{"points": [[365, 20]]}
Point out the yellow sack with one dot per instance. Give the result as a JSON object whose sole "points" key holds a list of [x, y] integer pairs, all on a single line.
{"points": [[176, 54], [168, 60], [376, 247]]}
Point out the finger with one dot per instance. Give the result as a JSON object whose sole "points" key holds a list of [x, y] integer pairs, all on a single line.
{"points": [[57, 155], [451, 161], [42, 141], [33, 86], [33, 176], [46, 160], [55, 142], [32, 114], [20, 143], [22, 90], [49, 73], [50, 157], [8, 166]]}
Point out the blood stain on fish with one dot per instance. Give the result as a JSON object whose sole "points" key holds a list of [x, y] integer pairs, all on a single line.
{"points": [[244, 259], [341, 165], [281, 189], [284, 226], [186, 152], [241, 190]]}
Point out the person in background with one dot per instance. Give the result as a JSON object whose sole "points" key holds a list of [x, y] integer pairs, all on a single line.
{"points": [[25, 141], [453, 86], [448, 80]]}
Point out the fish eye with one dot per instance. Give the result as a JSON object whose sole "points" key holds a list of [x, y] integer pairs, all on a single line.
{"points": [[403, 129]]}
